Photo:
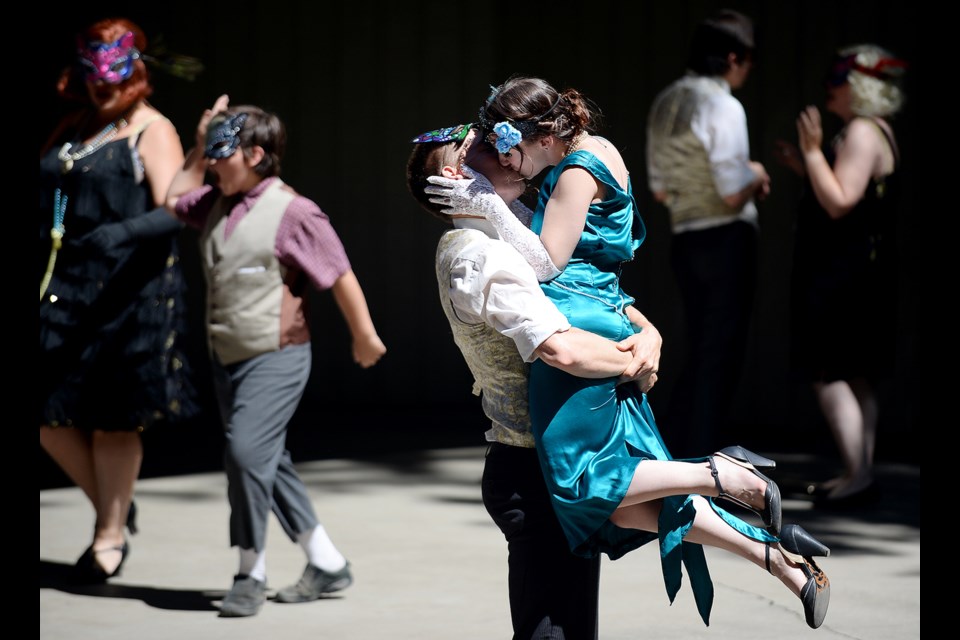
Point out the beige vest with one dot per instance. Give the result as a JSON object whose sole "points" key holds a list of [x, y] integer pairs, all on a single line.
{"points": [[244, 278], [500, 374], [679, 155]]}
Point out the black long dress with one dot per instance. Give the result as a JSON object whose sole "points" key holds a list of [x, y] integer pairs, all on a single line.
{"points": [[844, 288], [113, 314]]}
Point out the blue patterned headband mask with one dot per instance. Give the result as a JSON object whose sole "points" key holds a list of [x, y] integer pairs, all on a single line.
{"points": [[457, 134], [446, 134], [223, 136]]}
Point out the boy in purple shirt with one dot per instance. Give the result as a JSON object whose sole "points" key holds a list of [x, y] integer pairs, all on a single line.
{"points": [[263, 246]]}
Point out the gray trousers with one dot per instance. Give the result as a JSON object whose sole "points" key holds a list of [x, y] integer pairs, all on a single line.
{"points": [[258, 397]]}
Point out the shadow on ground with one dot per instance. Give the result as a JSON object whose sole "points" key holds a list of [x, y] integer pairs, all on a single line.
{"points": [[59, 576]]}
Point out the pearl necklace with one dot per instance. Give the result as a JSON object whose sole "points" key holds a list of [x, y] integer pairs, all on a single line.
{"points": [[108, 133], [575, 143]]}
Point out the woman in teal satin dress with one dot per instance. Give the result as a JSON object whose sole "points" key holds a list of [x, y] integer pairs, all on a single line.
{"points": [[614, 484]]}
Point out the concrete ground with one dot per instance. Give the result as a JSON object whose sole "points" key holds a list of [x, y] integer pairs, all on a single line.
{"points": [[429, 563]]}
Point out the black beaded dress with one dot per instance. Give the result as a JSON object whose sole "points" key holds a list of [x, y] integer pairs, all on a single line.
{"points": [[112, 317]]}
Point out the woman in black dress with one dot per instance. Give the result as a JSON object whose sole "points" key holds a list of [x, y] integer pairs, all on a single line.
{"points": [[843, 286], [111, 289]]}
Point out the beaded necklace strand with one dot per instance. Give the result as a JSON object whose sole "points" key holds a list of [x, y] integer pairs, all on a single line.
{"points": [[108, 133], [575, 143], [56, 237], [67, 158]]}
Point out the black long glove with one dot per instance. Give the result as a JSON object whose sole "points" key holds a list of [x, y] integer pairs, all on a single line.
{"points": [[151, 224]]}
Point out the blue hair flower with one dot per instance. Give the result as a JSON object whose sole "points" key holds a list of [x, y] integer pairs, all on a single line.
{"points": [[507, 136]]}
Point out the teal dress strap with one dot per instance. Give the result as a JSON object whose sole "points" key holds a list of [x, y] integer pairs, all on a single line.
{"points": [[613, 229]]}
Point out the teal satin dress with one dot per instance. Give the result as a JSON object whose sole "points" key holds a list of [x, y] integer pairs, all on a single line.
{"points": [[591, 433]]}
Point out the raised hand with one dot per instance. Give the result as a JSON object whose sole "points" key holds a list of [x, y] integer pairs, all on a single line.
{"points": [[221, 104], [809, 130], [471, 194]]}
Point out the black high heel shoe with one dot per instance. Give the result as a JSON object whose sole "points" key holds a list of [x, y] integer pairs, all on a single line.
{"points": [[772, 512], [799, 547], [88, 571], [818, 491], [860, 498], [132, 519]]}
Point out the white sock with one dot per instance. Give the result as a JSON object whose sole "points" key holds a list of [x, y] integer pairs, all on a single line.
{"points": [[320, 550], [253, 563]]}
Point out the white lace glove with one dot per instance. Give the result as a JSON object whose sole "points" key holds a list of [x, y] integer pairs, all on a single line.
{"points": [[523, 213], [476, 196]]}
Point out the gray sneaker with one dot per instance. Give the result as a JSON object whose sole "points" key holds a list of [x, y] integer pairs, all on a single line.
{"points": [[314, 583], [245, 597]]}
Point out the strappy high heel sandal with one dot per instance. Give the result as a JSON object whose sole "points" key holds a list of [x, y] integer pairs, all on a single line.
{"points": [[772, 512], [799, 547]]}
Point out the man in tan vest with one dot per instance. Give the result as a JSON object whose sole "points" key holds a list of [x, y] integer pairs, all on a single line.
{"points": [[501, 320], [699, 167]]}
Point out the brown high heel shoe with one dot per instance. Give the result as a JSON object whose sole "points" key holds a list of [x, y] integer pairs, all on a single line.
{"points": [[799, 547], [772, 511]]}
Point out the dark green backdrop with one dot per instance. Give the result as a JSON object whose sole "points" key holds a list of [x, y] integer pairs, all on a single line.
{"points": [[354, 84]]}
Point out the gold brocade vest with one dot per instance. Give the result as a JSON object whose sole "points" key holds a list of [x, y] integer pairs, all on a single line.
{"points": [[500, 375]]}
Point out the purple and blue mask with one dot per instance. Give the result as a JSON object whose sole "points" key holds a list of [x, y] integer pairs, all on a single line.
{"points": [[110, 62]]}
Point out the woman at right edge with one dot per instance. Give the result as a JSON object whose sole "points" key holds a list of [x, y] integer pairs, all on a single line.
{"points": [[843, 282], [614, 485]]}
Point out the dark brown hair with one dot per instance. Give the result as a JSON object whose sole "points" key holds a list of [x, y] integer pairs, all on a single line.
{"points": [[725, 32], [265, 130], [521, 99]]}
